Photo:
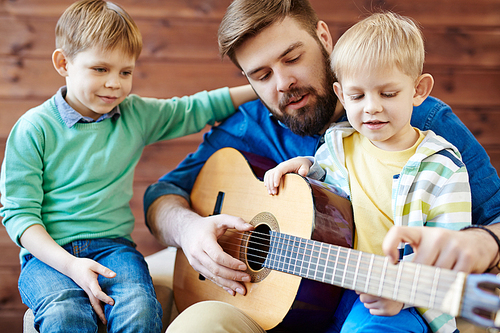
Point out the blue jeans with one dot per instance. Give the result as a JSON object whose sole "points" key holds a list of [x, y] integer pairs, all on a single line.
{"points": [[60, 305], [352, 316]]}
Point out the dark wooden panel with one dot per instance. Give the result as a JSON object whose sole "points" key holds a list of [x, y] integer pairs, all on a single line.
{"points": [[457, 86], [427, 12], [34, 37], [12, 320], [165, 39], [21, 78], [466, 86], [10, 111], [193, 9]]}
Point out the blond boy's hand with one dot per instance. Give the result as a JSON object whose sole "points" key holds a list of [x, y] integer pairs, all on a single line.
{"points": [[85, 272], [380, 306], [272, 178]]}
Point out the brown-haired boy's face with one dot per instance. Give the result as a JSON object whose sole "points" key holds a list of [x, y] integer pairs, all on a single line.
{"points": [[290, 72], [97, 81]]}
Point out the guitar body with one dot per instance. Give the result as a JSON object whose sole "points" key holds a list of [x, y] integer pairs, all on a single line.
{"points": [[302, 208]]}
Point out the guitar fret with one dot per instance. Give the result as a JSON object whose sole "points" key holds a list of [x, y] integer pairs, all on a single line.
{"points": [[334, 273], [286, 261], [318, 263], [325, 275], [345, 267], [434, 287], [398, 280], [372, 258], [382, 277], [356, 272], [308, 256], [414, 284]]}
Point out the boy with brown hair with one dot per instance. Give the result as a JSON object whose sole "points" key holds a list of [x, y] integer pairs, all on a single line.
{"points": [[66, 179]]}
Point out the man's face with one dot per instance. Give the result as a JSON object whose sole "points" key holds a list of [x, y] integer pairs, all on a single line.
{"points": [[290, 71]]}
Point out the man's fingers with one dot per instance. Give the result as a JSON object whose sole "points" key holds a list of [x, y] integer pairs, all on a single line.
{"points": [[394, 237]]}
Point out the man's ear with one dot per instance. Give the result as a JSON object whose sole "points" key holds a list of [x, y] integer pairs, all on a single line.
{"points": [[324, 36], [60, 62], [337, 87], [423, 88]]}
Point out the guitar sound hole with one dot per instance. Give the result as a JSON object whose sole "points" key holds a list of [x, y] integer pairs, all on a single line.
{"points": [[258, 247]]}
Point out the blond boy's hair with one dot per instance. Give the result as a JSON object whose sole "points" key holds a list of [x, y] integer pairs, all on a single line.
{"points": [[379, 41], [247, 18], [96, 23]]}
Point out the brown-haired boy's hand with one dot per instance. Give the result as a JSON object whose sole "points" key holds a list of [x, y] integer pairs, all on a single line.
{"points": [[85, 272]]}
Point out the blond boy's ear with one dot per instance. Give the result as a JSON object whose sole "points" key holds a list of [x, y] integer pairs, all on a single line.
{"points": [[423, 88], [337, 87], [60, 62]]}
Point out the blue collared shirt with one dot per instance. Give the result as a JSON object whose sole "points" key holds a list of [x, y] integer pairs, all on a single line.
{"points": [[70, 116], [252, 129]]}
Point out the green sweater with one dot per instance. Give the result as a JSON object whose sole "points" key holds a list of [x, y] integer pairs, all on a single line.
{"points": [[77, 182]]}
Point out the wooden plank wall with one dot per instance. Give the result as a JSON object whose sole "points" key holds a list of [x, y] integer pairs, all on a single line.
{"points": [[180, 57]]}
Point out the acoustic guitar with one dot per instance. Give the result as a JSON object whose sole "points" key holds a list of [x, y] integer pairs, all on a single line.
{"points": [[300, 258]]}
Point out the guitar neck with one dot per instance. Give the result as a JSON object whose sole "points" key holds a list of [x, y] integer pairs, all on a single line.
{"points": [[407, 282]]}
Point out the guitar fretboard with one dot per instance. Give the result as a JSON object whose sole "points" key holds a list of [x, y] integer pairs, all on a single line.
{"points": [[407, 282]]}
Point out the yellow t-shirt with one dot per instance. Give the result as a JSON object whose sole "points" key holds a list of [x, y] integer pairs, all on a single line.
{"points": [[371, 172]]}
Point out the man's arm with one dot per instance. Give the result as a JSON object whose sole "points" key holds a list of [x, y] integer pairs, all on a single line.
{"points": [[172, 221], [472, 250]]}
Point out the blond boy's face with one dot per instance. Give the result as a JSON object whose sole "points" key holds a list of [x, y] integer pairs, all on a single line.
{"points": [[98, 81], [379, 104]]}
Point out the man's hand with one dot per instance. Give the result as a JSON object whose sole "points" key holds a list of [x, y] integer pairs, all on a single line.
{"points": [[85, 272], [470, 251], [199, 244], [380, 306], [172, 221]]}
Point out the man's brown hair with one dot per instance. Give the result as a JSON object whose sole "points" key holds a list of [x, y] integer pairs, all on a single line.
{"points": [[247, 18], [97, 23]]}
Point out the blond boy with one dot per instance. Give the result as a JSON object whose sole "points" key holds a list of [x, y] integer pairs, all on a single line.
{"points": [[393, 173]]}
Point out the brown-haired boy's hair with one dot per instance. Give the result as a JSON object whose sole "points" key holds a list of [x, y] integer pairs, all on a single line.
{"points": [[96, 23], [246, 18]]}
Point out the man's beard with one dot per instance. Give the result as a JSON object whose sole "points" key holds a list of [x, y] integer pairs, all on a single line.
{"points": [[313, 118]]}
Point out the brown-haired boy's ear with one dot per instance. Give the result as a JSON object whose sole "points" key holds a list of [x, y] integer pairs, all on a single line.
{"points": [[423, 88], [60, 61]]}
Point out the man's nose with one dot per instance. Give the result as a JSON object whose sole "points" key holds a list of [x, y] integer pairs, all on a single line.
{"points": [[285, 81]]}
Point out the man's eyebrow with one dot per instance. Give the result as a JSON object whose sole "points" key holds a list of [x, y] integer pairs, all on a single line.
{"points": [[288, 50]]}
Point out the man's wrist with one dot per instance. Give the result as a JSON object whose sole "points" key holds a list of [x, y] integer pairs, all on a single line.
{"points": [[496, 239]]}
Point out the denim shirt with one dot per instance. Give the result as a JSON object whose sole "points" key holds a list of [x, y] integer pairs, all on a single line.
{"points": [[256, 131]]}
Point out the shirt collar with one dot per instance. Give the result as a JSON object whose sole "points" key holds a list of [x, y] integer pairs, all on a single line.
{"points": [[70, 116]]}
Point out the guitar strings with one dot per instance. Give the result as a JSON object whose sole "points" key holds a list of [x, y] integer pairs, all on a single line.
{"points": [[446, 279], [433, 297]]}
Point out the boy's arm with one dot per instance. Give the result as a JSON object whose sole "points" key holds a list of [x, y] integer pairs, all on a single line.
{"points": [[242, 94], [299, 165], [83, 272]]}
